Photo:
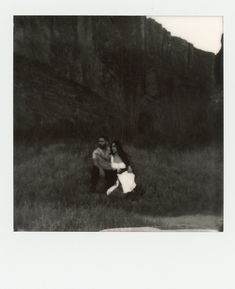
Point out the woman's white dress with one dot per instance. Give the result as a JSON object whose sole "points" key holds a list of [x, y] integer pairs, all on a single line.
{"points": [[126, 179]]}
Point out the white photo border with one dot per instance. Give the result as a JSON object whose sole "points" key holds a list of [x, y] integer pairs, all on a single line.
{"points": [[31, 260]]}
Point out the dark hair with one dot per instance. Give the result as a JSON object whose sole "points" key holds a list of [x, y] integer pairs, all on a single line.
{"points": [[104, 137], [123, 155]]}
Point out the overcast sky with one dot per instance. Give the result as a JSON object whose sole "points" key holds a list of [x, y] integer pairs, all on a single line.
{"points": [[203, 32]]}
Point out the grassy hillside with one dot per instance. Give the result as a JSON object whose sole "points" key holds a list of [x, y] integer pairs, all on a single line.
{"points": [[52, 189]]}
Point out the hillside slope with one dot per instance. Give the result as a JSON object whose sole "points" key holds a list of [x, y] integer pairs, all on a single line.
{"points": [[47, 105]]}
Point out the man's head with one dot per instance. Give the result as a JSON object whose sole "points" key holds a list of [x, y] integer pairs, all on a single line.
{"points": [[103, 142]]}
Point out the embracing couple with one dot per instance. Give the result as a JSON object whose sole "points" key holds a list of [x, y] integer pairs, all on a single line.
{"points": [[111, 163]]}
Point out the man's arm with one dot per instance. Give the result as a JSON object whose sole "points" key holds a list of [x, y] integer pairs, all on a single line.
{"points": [[96, 164]]}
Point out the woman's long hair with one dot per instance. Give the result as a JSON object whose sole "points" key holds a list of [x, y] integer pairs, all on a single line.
{"points": [[123, 155]]}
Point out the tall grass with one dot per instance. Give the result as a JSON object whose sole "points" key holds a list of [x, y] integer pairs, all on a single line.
{"points": [[51, 188]]}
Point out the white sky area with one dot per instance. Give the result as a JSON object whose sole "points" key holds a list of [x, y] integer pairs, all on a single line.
{"points": [[203, 32]]}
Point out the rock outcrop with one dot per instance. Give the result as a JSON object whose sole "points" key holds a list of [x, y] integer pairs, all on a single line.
{"points": [[128, 76]]}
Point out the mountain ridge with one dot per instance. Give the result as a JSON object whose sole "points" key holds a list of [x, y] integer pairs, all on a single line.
{"points": [[127, 60]]}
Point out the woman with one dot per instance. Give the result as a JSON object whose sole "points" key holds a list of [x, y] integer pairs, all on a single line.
{"points": [[121, 164]]}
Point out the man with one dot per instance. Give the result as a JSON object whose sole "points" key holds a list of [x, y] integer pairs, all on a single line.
{"points": [[102, 165]]}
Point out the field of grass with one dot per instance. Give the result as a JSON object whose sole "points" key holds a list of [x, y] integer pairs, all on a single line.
{"points": [[51, 189]]}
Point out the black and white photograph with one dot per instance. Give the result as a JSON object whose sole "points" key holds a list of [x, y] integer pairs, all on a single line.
{"points": [[118, 123]]}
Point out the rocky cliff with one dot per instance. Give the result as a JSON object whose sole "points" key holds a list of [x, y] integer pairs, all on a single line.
{"points": [[122, 75]]}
